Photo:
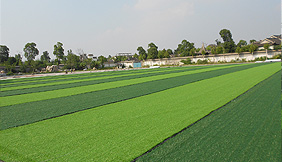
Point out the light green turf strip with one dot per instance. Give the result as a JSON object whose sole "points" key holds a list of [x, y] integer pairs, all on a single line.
{"points": [[24, 98], [77, 75], [76, 81], [124, 130]]}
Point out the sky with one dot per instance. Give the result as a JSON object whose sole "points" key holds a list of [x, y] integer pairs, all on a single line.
{"points": [[108, 27]]}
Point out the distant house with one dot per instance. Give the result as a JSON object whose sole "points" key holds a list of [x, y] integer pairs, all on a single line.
{"points": [[127, 63], [91, 56], [110, 63], [272, 41]]}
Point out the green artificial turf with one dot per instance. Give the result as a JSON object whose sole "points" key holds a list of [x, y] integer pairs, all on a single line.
{"points": [[121, 131], [83, 82], [35, 80], [24, 98], [20, 114], [247, 129], [58, 82]]}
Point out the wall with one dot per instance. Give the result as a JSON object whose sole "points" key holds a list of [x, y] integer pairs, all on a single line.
{"points": [[211, 58]]}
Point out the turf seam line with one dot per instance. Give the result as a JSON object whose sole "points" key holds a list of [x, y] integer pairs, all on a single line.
{"points": [[153, 148]]}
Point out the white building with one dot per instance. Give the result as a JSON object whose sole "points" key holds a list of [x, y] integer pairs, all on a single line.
{"points": [[91, 56]]}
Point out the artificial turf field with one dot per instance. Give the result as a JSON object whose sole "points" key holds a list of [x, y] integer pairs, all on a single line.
{"points": [[118, 116]]}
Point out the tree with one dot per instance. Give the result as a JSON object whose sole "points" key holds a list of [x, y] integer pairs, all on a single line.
{"points": [[59, 51], [246, 48], [184, 48], [34, 65], [169, 51], [4, 53], [30, 51], [219, 49], [163, 54], [18, 57], [213, 50], [135, 56], [218, 42], [45, 57], [10, 64], [166, 54], [203, 53], [277, 47], [209, 48], [72, 60], [266, 47], [253, 48], [252, 41], [101, 60], [242, 43], [142, 53], [152, 51], [152, 45], [238, 50], [228, 45], [12, 60], [192, 52]]}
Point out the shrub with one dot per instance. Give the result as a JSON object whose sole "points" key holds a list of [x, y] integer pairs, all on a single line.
{"points": [[187, 61]]}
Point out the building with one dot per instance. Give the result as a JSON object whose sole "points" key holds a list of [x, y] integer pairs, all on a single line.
{"points": [[91, 56], [272, 41], [110, 63], [127, 64], [127, 54]]}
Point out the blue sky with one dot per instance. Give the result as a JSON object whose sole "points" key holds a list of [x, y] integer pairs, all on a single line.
{"points": [[104, 27]]}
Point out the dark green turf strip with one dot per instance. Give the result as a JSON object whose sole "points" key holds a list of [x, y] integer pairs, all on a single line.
{"points": [[84, 83], [26, 113], [246, 129]]}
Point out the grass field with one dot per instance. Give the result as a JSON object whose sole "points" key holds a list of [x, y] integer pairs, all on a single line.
{"points": [[118, 119]]}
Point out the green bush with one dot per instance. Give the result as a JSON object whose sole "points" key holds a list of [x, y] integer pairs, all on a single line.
{"points": [[10, 73], [187, 61], [277, 56], [202, 61], [260, 58]]}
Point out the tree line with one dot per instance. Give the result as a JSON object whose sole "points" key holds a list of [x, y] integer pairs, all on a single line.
{"points": [[73, 61], [70, 61], [186, 48]]}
